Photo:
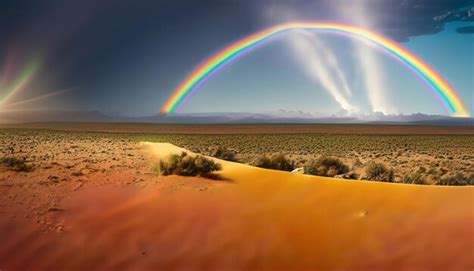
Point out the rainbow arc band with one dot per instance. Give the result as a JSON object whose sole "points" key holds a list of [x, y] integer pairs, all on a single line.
{"points": [[442, 89], [25, 76]]}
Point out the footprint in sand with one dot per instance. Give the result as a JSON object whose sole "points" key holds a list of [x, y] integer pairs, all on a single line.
{"points": [[363, 213]]}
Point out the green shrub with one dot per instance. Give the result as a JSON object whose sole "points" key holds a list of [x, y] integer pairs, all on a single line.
{"points": [[222, 153], [188, 165], [276, 161], [414, 178], [378, 172], [326, 166], [15, 164]]}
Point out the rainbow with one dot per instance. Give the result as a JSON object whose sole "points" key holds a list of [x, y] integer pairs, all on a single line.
{"points": [[7, 89], [203, 72]]}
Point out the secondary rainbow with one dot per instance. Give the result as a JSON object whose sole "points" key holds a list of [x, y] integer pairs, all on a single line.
{"points": [[445, 92], [10, 87]]}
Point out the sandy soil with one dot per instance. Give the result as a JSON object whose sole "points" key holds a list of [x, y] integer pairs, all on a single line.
{"points": [[63, 165], [253, 219]]}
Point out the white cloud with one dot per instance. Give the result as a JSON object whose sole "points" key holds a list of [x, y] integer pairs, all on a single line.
{"points": [[372, 70], [318, 61]]}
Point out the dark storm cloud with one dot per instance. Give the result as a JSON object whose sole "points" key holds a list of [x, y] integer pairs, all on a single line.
{"points": [[122, 46], [57, 22], [72, 30], [424, 17], [456, 15], [72, 35], [465, 30], [399, 19], [89, 42]]}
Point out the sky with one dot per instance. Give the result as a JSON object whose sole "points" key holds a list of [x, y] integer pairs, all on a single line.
{"points": [[127, 57]]}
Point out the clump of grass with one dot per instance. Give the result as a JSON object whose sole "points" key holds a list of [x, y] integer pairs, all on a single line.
{"points": [[276, 161], [326, 166], [379, 172], [156, 169], [15, 164], [350, 176], [357, 163], [223, 153], [187, 165], [413, 178], [456, 179]]}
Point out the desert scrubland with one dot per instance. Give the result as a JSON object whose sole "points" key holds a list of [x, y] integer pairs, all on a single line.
{"points": [[94, 200], [431, 154]]}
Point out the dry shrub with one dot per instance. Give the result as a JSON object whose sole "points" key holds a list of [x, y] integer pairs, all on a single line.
{"points": [[15, 164], [188, 165], [326, 166], [351, 175], [223, 153], [456, 179], [357, 163], [276, 161], [413, 178], [379, 172]]}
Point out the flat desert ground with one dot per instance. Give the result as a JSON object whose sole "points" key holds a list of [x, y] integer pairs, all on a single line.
{"points": [[93, 202]]}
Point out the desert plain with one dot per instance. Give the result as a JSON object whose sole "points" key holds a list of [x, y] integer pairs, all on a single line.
{"points": [[90, 198]]}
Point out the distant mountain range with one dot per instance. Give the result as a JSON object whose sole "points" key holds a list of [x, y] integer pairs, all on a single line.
{"points": [[280, 116]]}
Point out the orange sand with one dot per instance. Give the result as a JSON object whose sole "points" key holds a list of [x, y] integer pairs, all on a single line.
{"points": [[257, 220]]}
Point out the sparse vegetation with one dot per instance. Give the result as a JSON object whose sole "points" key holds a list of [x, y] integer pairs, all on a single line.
{"points": [[223, 153], [16, 164], [276, 161], [456, 179], [351, 175], [433, 156], [326, 166], [379, 172], [413, 178], [357, 163], [188, 165]]}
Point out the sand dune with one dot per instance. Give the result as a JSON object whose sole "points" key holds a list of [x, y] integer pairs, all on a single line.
{"points": [[256, 219]]}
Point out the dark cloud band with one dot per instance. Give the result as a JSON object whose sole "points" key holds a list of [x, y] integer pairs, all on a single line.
{"points": [[465, 30]]}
